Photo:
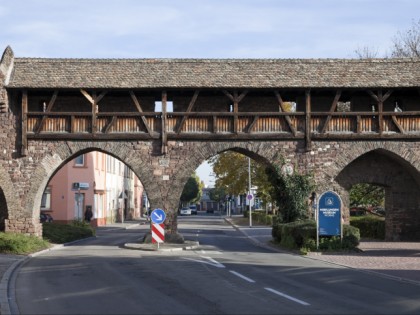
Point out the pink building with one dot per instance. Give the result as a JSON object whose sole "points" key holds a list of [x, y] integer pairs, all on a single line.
{"points": [[97, 181]]}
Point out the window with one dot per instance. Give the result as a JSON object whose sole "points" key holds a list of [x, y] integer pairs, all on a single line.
{"points": [[80, 160], [46, 199], [169, 107]]}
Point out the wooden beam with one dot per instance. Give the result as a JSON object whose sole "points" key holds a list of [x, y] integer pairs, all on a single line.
{"points": [[189, 109], [24, 147], [47, 110], [252, 124], [282, 109], [111, 123], [140, 110], [235, 98], [332, 110], [164, 147], [308, 120], [400, 128], [381, 112], [94, 112], [88, 97]]}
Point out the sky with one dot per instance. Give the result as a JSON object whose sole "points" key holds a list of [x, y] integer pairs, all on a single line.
{"points": [[203, 29]]}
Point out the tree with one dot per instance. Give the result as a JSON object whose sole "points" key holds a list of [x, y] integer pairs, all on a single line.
{"points": [[407, 44], [367, 195], [192, 190], [217, 194], [291, 193], [232, 175], [366, 53], [231, 171]]}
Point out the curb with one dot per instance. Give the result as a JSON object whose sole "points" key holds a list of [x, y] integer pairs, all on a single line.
{"points": [[5, 281], [164, 247], [4, 286]]}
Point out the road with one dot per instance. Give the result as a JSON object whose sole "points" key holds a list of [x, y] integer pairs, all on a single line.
{"points": [[227, 274]]}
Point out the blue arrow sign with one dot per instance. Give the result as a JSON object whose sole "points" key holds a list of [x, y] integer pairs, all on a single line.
{"points": [[158, 216]]}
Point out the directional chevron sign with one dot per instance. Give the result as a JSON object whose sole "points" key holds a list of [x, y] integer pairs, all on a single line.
{"points": [[158, 233], [158, 216]]}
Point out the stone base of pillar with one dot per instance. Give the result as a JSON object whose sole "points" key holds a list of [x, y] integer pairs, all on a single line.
{"points": [[23, 226]]}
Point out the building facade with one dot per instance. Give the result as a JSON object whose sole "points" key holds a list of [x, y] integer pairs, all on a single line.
{"points": [[94, 181]]}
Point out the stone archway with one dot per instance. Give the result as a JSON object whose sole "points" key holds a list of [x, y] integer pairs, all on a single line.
{"points": [[402, 183]]}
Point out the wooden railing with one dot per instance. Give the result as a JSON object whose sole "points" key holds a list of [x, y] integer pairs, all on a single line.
{"points": [[219, 125]]}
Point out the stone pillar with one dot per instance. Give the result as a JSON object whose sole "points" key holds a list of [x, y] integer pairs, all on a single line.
{"points": [[24, 225]]}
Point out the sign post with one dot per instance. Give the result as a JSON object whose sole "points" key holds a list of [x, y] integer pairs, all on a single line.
{"points": [[329, 221], [250, 197], [158, 216]]}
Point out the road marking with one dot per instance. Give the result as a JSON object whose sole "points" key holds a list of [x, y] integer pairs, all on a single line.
{"points": [[212, 262], [287, 296], [241, 276]]}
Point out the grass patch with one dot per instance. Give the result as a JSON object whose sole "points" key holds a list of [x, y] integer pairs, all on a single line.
{"points": [[21, 244], [64, 233]]}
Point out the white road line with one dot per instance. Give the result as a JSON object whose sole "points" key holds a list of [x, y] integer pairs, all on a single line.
{"points": [[241, 276], [287, 296], [211, 261]]}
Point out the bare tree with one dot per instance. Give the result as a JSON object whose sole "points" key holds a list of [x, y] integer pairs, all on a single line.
{"points": [[407, 44], [366, 53]]}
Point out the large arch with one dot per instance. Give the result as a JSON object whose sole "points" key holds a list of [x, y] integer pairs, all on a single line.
{"points": [[401, 181]]}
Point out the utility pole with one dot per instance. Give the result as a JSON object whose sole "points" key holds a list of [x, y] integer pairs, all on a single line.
{"points": [[249, 192]]}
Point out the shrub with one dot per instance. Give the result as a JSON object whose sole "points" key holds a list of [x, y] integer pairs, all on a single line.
{"points": [[64, 233], [369, 226], [21, 244], [302, 235]]}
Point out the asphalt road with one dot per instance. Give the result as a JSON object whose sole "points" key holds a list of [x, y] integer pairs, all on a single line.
{"points": [[227, 274]]}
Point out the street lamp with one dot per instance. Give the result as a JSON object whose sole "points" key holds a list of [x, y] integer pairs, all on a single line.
{"points": [[249, 191]]}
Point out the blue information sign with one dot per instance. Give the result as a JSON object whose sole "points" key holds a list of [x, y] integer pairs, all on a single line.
{"points": [[329, 214], [158, 216]]}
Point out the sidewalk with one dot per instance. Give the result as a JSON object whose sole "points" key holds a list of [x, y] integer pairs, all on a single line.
{"points": [[400, 260]]}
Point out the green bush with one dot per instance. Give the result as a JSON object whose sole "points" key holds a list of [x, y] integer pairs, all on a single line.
{"points": [[64, 233], [260, 217], [301, 235], [21, 244], [369, 226]]}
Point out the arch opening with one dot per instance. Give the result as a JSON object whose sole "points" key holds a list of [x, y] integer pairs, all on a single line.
{"points": [[400, 184], [92, 185]]}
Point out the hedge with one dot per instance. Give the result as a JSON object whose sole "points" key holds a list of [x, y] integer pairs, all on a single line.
{"points": [[369, 226], [302, 235]]}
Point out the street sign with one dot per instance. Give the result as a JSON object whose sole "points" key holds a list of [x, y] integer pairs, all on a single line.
{"points": [[329, 214], [249, 197], [158, 216], [158, 233]]}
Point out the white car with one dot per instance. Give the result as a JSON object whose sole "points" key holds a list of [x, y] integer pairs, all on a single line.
{"points": [[185, 211]]}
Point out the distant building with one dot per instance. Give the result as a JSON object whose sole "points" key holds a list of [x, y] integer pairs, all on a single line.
{"points": [[206, 203], [97, 181]]}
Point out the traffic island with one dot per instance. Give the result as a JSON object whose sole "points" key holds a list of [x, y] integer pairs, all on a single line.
{"points": [[164, 247]]}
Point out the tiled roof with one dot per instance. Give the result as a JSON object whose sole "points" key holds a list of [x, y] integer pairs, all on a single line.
{"points": [[214, 73]]}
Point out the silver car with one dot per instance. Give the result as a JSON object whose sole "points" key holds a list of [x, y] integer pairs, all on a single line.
{"points": [[185, 211]]}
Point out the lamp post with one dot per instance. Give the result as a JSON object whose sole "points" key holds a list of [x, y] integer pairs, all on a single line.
{"points": [[79, 214], [249, 192]]}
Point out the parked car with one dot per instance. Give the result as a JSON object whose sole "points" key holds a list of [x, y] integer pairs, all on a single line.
{"points": [[193, 209], [379, 211], [185, 211], [357, 211], [45, 217]]}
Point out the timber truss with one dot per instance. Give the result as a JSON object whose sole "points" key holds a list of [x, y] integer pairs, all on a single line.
{"points": [[217, 114]]}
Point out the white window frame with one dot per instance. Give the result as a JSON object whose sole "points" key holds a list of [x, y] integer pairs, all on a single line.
{"points": [[46, 199]]}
